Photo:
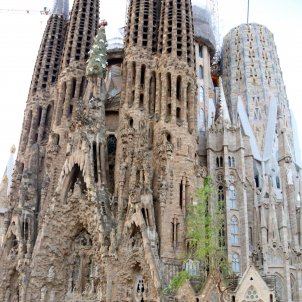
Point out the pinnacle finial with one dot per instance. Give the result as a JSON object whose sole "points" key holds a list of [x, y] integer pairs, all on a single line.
{"points": [[13, 149], [97, 63], [5, 179]]}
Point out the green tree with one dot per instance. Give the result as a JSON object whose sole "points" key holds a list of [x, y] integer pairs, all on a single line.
{"points": [[206, 243]]}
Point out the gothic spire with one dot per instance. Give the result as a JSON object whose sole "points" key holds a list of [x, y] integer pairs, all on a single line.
{"points": [[60, 7]]}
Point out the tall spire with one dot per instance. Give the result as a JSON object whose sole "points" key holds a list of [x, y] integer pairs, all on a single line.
{"points": [[142, 24], [83, 27], [176, 29], [60, 7], [9, 168], [49, 56]]}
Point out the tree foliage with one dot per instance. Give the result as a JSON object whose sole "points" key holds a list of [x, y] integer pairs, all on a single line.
{"points": [[205, 237]]}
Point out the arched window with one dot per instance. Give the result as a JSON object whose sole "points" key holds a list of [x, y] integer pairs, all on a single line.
{"points": [[278, 182], [235, 263], [178, 88], [257, 181], [251, 294], [279, 288], [233, 162], [221, 234], [201, 93], [230, 162], [143, 71], [169, 85], [217, 162], [233, 198], [200, 72], [220, 193], [234, 230], [200, 51], [201, 120], [293, 288]]}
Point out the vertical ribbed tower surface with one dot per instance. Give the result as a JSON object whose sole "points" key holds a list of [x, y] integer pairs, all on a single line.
{"points": [[133, 169], [83, 26], [176, 30], [175, 129], [38, 112], [49, 56], [140, 61], [251, 69], [142, 24]]}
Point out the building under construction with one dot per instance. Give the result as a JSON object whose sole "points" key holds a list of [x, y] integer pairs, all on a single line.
{"points": [[118, 138]]}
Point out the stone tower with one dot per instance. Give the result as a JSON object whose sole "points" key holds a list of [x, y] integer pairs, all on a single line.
{"points": [[256, 98], [28, 178], [117, 139], [175, 128]]}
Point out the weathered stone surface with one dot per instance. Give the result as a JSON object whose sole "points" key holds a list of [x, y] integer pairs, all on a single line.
{"points": [[107, 166]]}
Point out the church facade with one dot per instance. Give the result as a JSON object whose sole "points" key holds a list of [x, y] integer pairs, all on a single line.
{"points": [[116, 140]]}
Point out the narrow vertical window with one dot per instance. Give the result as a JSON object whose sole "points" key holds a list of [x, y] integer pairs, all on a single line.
{"points": [[178, 88], [152, 93], [234, 230], [201, 93], [233, 162], [220, 193], [235, 263], [95, 165], [169, 85], [73, 87], [200, 72], [278, 182], [233, 198], [217, 162], [39, 116], [180, 194], [143, 71], [200, 51], [257, 181]]}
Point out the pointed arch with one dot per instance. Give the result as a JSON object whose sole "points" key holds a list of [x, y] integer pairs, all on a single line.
{"points": [[279, 288], [233, 197], [235, 263], [234, 230], [293, 288], [74, 177]]}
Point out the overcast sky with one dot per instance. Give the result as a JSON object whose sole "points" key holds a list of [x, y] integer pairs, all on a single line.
{"points": [[20, 36]]}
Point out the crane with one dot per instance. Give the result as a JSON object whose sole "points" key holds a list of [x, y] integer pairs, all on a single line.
{"points": [[43, 12]]}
